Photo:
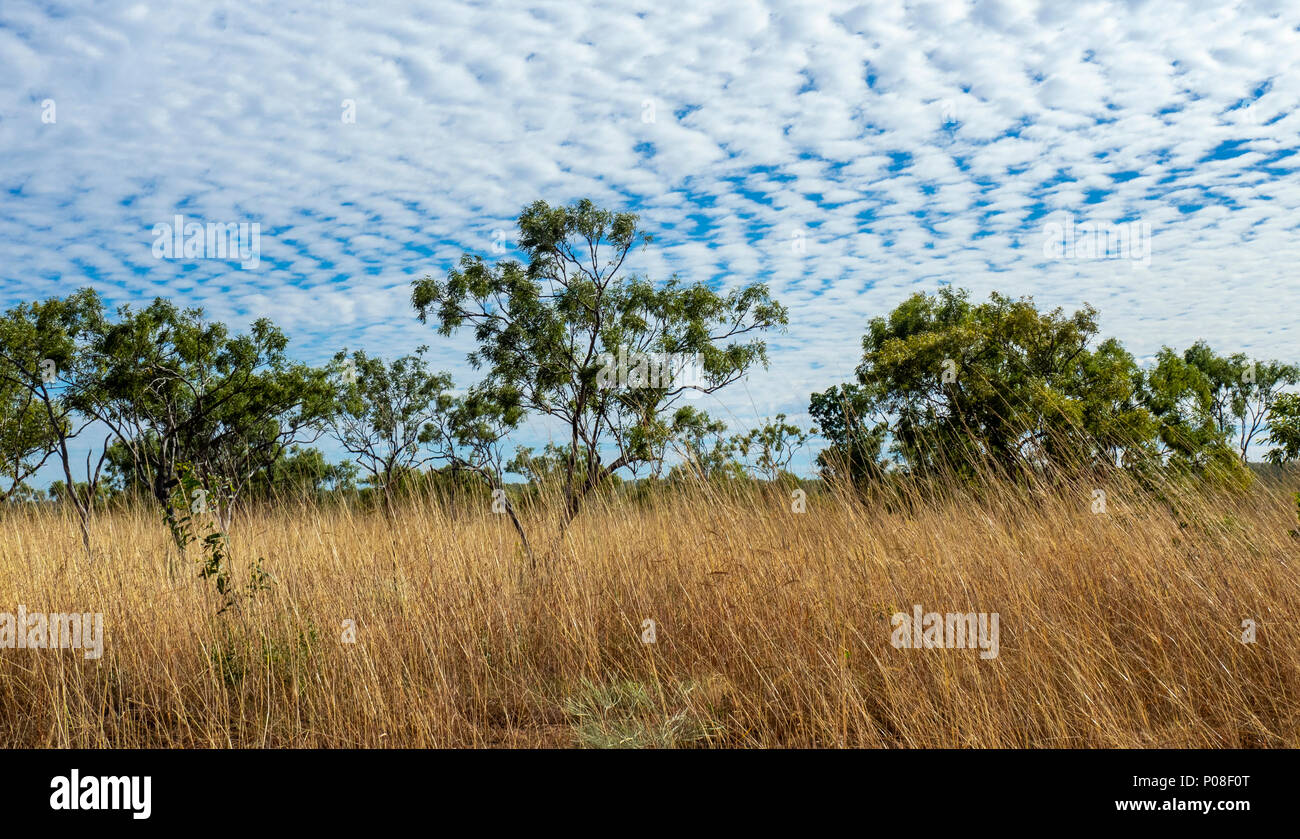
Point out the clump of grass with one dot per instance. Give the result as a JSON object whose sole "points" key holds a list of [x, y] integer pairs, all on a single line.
{"points": [[627, 715]]}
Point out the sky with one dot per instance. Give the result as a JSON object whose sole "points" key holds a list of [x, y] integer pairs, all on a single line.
{"points": [[848, 155]]}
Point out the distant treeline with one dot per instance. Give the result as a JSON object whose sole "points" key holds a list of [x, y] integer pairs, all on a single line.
{"points": [[169, 401]]}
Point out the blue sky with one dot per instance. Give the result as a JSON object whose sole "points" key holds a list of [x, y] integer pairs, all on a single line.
{"points": [[846, 154]]}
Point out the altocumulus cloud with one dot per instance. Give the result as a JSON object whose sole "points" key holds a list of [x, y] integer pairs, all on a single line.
{"points": [[846, 154]]}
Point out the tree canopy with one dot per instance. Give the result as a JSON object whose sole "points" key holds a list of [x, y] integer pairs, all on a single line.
{"points": [[954, 384], [550, 331]]}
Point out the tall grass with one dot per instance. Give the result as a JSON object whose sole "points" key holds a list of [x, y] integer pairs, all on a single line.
{"points": [[772, 628]]}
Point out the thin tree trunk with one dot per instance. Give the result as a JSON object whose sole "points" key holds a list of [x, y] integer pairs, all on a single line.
{"points": [[523, 537], [573, 501]]}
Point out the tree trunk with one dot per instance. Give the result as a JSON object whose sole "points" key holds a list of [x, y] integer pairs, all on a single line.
{"points": [[523, 537]]}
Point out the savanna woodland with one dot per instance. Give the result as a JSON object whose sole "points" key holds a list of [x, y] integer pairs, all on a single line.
{"points": [[649, 577]]}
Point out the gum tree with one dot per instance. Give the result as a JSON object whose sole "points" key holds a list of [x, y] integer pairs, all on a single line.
{"points": [[769, 448], [26, 441], [1284, 429], [854, 434], [1190, 434], [956, 384], [387, 414], [44, 369], [546, 327], [1241, 391], [706, 452], [178, 390]]}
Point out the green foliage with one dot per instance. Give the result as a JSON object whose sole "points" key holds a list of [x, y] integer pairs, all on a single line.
{"points": [[388, 414], [174, 387], [58, 492], [1179, 396], [769, 448], [43, 367], [957, 384], [543, 469], [854, 442], [1284, 429], [706, 453], [192, 517], [945, 383], [1242, 392], [26, 440], [545, 331], [303, 472]]}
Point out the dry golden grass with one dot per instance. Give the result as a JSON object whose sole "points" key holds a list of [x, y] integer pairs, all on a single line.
{"points": [[773, 628]]}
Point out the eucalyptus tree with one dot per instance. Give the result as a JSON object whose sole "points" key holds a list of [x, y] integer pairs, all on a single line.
{"points": [[1181, 397], [855, 433], [26, 440], [44, 369], [769, 448], [557, 334], [955, 383], [179, 390], [1284, 429], [1242, 391], [387, 414], [706, 452]]}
